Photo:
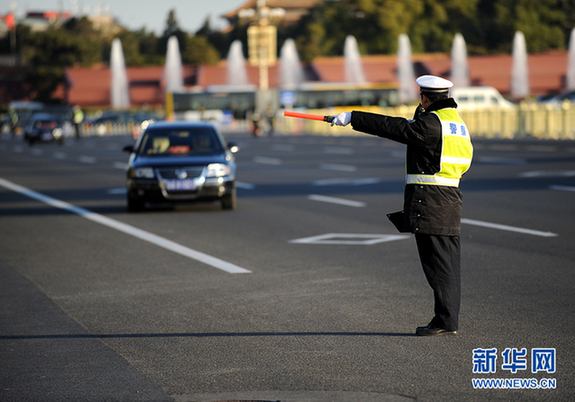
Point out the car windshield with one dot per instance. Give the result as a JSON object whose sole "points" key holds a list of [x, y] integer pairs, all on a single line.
{"points": [[178, 142]]}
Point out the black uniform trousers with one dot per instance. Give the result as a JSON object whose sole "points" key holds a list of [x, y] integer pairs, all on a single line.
{"points": [[440, 259]]}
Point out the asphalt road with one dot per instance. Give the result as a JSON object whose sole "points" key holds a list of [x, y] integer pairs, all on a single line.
{"points": [[98, 304]]}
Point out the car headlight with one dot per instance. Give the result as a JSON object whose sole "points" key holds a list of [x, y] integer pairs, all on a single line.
{"points": [[218, 170], [143, 173], [57, 132]]}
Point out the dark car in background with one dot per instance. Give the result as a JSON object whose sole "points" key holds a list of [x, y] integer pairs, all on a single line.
{"points": [[175, 162], [105, 123], [44, 127]]}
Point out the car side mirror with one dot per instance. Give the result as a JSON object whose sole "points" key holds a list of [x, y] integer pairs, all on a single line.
{"points": [[128, 149], [233, 147]]}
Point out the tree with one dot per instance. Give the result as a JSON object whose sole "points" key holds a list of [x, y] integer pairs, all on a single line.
{"points": [[48, 53], [219, 40], [199, 51], [172, 29]]}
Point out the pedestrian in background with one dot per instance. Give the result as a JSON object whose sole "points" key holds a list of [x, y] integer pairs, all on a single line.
{"points": [[439, 152], [78, 120]]}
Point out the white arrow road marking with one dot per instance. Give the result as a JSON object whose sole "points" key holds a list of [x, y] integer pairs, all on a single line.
{"points": [[128, 229]]}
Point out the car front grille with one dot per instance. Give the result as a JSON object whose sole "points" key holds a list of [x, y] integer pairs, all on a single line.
{"points": [[172, 172]]}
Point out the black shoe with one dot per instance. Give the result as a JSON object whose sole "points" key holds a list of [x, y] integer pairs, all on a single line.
{"points": [[432, 331]]}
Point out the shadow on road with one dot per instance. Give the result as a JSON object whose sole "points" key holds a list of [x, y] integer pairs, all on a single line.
{"points": [[201, 335]]}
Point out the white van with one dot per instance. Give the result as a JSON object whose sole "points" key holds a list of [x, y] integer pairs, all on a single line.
{"points": [[479, 98]]}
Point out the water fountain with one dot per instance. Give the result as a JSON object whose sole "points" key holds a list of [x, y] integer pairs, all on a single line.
{"points": [[291, 71], [237, 73], [519, 71], [571, 63], [406, 75], [459, 67], [120, 95], [353, 68], [173, 69]]}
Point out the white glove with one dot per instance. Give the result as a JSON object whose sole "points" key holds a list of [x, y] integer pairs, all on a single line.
{"points": [[341, 119]]}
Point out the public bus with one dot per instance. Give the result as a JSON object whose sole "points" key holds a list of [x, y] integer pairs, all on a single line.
{"points": [[239, 102], [323, 95]]}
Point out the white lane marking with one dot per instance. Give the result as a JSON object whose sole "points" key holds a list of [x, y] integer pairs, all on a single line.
{"points": [[128, 229], [542, 148], [37, 152], [508, 228], [503, 147], [114, 191], [333, 200], [87, 159], [345, 182], [245, 186], [502, 161], [59, 155], [349, 238], [548, 173], [267, 161], [562, 188], [120, 165], [338, 167], [338, 150]]}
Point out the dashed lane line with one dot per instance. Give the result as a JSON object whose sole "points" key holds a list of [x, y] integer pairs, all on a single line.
{"points": [[346, 182], [265, 160], [507, 228], [334, 200], [337, 167], [562, 188], [245, 186], [87, 159]]}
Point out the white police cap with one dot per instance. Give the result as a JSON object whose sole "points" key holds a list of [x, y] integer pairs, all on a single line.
{"points": [[431, 83]]}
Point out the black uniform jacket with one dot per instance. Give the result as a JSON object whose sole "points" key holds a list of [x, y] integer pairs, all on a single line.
{"points": [[427, 209]]}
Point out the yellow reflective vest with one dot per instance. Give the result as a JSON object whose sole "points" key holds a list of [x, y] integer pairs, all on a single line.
{"points": [[456, 152]]}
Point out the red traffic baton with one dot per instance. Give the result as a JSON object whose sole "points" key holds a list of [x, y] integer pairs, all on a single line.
{"points": [[328, 119]]}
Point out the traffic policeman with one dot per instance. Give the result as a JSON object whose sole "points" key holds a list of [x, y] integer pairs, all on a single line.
{"points": [[439, 152]]}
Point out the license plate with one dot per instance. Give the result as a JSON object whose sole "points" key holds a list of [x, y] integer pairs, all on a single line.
{"points": [[180, 185], [47, 136]]}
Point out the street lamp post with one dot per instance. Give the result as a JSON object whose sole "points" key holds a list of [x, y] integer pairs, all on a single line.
{"points": [[262, 50]]}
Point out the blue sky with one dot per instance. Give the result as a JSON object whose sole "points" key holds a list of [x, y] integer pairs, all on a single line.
{"points": [[136, 14]]}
